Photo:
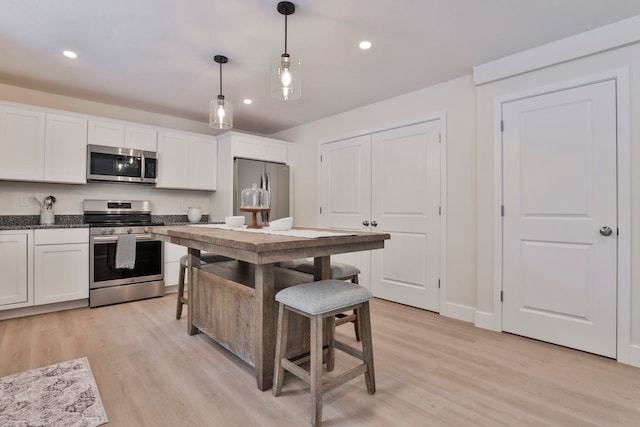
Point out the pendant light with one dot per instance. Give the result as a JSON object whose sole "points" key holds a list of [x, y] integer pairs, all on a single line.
{"points": [[220, 110], [286, 76]]}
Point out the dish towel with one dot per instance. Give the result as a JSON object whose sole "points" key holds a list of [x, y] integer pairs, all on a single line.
{"points": [[126, 251]]}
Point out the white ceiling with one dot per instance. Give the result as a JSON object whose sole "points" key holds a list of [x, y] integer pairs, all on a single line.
{"points": [[156, 55]]}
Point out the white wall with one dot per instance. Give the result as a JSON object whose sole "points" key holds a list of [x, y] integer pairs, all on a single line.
{"points": [[456, 98], [69, 197]]}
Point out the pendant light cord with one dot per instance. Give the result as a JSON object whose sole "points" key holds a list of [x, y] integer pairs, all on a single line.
{"points": [[285, 34], [221, 78]]}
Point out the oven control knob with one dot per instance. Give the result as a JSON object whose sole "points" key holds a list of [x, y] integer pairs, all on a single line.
{"points": [[129, 230], [104, 231], [111, 231]]}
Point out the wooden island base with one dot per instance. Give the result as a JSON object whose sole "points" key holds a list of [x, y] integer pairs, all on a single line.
{"points": [[224, 307]]}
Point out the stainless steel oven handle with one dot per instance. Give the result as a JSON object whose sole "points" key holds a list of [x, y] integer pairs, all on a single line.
{"points": [[107, 239]]}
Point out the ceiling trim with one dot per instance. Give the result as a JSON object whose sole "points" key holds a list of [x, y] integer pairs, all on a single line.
{"points": [[590, 42]]}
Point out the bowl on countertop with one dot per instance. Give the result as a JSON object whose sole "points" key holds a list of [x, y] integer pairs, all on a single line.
{"points": [[234, 221], [281, 224]]}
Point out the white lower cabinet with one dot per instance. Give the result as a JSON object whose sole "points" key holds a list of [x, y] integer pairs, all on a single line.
{"points": [[61, 265], [172, 255], [16, 285]]}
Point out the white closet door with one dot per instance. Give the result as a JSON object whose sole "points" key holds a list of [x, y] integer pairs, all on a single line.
{"points": [[405, 201], [559, 166], [345, 193]]}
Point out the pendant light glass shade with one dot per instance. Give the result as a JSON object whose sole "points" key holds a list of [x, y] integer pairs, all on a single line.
{"points": [[286, 79], [220, 113], [220, 110], [286, 75]]}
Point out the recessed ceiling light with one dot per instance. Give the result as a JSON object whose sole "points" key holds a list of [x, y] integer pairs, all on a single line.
{"points": [[248, 101], [364, 44], [70, 54]]}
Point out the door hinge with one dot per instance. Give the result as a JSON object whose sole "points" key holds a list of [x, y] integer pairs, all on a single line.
{"points": [[439, 210], [501, 125], [439, 137], [617, 231], [501, 296], [438, 283], [502, 210], [320, 158], [321, 209]]}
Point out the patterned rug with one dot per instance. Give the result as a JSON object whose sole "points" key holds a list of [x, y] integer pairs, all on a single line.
{"points": [[61, 395]]}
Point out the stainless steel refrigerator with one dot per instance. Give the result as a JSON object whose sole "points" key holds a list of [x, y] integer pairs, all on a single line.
{"points": [[273, 177]]}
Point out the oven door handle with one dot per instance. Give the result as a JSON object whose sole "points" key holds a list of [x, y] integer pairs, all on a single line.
{"points": [[109, 239]]}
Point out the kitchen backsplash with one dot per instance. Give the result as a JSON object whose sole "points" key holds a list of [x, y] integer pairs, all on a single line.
{"points": [[69, 198]]}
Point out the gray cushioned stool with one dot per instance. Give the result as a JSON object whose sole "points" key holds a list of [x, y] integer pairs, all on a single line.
{"points": [[320, 302], [339, 271], [197, 262]]}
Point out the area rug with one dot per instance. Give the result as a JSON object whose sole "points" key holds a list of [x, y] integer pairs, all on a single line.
{"points": [[60, 395]]}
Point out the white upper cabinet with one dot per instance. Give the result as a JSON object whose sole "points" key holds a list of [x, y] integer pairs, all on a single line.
{"points": [[186, 161], [39, 146], [65, 144], [257, 147], [21, 143], [141, 138], [122, 134]]}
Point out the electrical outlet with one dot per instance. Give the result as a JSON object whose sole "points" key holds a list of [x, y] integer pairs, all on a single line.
{"points": [[24, 200]]}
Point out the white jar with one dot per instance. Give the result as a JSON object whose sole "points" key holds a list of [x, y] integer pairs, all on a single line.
{"points": [[194, 214], [47, 217]]}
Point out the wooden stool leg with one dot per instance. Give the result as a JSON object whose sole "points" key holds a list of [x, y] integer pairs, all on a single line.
{"points": [[180, 292], [356, 323], [367, 347], [281, 348], [316, 369], [330, 327]]}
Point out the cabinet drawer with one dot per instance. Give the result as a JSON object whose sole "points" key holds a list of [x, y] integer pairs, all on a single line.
{"points": [[61, 236]]}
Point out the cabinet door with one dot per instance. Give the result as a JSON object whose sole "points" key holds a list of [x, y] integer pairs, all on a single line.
{"points": [[21, 144], [61, 272], [252, 147], [65, 149], [172, 255], [202, 163], [106, 133], [173, 160], [13, 265], [141, 138]]}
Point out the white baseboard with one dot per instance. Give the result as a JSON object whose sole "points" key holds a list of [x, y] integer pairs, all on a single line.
{"points": [[41, 309], [457, 311], [485, 320], [634, 355]]}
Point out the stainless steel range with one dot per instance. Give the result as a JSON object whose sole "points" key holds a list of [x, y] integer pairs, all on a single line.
{"points": [[109, 220]]}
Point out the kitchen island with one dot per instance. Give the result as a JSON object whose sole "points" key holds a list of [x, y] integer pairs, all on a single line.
{"points": [[234, 302]]}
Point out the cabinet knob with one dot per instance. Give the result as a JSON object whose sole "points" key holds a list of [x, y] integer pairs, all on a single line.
{"points": [[365, 223]]}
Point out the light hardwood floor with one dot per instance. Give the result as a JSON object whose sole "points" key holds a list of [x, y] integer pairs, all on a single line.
{"points": [[430, 371]]}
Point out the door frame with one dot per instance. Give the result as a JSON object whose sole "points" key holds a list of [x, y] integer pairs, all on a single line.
{"points": [[626, 353], [451, 310]]}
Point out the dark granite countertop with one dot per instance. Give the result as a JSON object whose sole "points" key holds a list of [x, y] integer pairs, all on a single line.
{"points": [[32, 222]]}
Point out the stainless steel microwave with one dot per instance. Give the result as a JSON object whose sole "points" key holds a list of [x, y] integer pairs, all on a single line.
{"points": [[121, 165]]}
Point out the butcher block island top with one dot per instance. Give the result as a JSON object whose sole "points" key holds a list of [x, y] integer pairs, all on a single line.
{"points": [[234, 303]]}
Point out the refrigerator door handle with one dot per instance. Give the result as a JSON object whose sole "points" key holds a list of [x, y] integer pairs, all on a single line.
{"points": [[265, 185]]}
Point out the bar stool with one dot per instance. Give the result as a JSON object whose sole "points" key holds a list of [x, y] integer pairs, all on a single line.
{"points": [[184, 263], [339, 271], [320, 302]]}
